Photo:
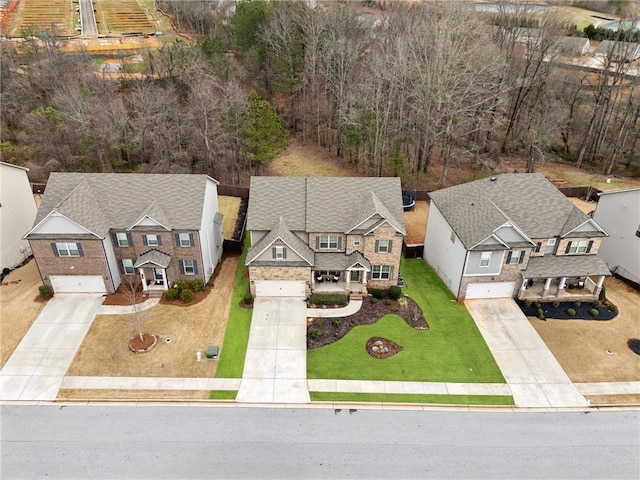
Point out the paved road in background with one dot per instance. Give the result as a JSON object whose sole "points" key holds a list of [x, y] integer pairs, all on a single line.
{"points": [[89, 26], [159, 442]]}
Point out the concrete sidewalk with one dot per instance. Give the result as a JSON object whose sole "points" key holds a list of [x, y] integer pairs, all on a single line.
{"points": [[350, 309], [37, 366], [535, 377], [150, 383], [275, 367], [125, 309]]}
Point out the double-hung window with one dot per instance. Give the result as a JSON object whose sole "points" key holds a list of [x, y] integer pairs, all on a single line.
{"points": [[189, 267], [381, 272], [152, 240], [485, 259], [123, 239], [383, 246], [68, 249], [279, 252], [184, 239], [579, 246], [328, 241], [514, 257], [127, 266]]}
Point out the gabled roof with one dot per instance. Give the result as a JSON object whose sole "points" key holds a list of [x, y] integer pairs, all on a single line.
{"points": [[565, 266], [626, 50], [103, 201], [340, 261], [528, 200], [280, 232], [324, 204], [153, 257]]}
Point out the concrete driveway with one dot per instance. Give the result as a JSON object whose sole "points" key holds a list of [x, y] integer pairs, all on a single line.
{"points": [[533, 374], [275, 368], [38, 364]]}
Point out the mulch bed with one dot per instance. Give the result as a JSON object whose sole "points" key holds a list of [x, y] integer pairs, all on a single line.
{"points": [[583, 312], [331, 331], [634, 345], [197, 298], [137, 345], [379, 347]]}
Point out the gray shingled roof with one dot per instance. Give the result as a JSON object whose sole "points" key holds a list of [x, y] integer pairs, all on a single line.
{"points": [[323, 204], [565, 266], [153, 257], [475, 209], [101, 201], [339, 261], [282, 232]]}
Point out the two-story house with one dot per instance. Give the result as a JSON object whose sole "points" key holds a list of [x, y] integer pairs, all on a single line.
{"points": [[513, 235], [341, 235], [96, 230]]}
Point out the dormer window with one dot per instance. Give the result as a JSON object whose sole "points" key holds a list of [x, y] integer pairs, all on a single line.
{"points": [[279, 252]]}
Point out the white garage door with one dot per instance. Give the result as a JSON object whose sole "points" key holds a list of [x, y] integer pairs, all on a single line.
{"points": [[273, 288], [78, 284], [490, 290]]}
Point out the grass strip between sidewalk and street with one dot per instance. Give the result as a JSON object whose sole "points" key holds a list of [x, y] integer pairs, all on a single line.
{"points": [[223, 394], [451, 350], [412, 398], [236, 338]]}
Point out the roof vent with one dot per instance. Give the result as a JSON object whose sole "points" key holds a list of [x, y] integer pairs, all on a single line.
{"points": [[493, 179]]}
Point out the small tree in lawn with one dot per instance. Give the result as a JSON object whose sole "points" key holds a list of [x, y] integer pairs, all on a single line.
{"points": [[263, 134], [141, 342]]}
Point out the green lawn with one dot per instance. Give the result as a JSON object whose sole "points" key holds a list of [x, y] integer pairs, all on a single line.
{"points": [[412, 398], [452, 350], [236, 337], [223, 394]]}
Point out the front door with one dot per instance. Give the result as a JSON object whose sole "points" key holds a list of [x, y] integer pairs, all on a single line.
{"points": [[157, 274], [355, 275]]}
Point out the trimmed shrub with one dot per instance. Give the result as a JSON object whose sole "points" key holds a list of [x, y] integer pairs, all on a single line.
{"points": [[595, 304], [527, 303], [594, 312], [537, 304], [46, 291], [377, 293], [571, 312], [577, 304], [335, 322], [315, 333], [247, 299], [181, 285], [556, 304], [197, 285], [171, 294], [186, 295], [388, 301], [374, 300], [395, 292], [602, 295], [328, 299], [540, 313], [613, 308]]}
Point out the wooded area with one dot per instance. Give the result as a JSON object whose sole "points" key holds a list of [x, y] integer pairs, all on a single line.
{"points": [[392, 88]]}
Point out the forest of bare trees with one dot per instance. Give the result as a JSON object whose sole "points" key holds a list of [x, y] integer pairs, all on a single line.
{"points": [[391, 88]]}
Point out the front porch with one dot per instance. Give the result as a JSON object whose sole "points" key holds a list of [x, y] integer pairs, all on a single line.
{"points": [[581, 291], [339, 273]]}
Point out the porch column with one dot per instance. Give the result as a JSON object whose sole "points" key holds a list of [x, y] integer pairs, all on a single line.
{"points": [[599, 285], [563, 283], [164, 279], [547, 286], [347, 280], [143, 280]]}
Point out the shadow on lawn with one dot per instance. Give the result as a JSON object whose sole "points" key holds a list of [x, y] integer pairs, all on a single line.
{"points": [[324, 331]]}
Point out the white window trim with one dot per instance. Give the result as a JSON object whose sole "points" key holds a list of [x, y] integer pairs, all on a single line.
{"points": [[189, 265], [383, 270], [382, 249], [130, 266], [516, 255], [66, 250], [551, 242], [279, 252], [328, 242], [183, 242], [487, 259], [123, 239], [580, 246], [155, 240]]}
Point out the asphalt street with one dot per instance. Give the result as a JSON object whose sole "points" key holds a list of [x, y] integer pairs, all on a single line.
{"points": [[58, 441]]}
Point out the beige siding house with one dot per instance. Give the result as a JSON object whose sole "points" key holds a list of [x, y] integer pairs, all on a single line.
{"points": [[338, 235], [513, 235], [94, 231]]}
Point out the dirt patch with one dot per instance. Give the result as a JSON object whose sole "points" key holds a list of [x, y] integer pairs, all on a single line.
{"points": [[632, 399], [381, 348], [331, 330], [583, 205], [104, 394], [416, 222], [230, 209], [597, 351], [105, 352], [20, 305]]}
